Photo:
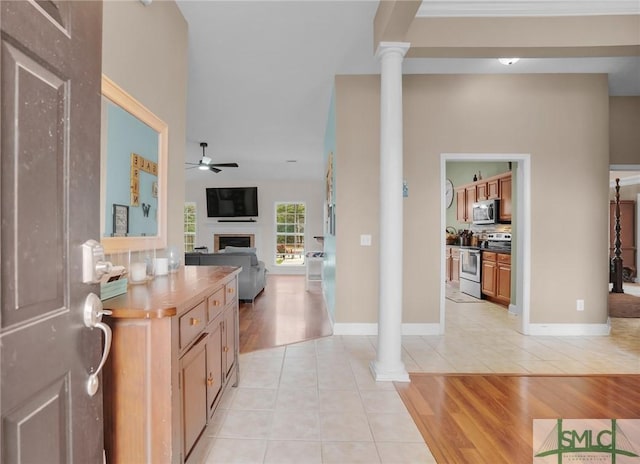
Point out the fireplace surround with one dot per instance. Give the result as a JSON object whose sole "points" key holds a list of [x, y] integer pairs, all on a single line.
{"points": [[220, 241]]}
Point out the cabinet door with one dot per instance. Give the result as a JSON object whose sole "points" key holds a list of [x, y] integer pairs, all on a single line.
{"points": [[455, 268], [503, 287], [461, 205], [447, 261], [493, 189], [481, 191], [505, 199], [214, 363], [229, 338], [489, 278], [470, 200], [455, 264], [193, 373]]}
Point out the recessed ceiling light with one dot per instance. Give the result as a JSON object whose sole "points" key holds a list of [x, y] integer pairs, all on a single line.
{"points": [[508, 61]]}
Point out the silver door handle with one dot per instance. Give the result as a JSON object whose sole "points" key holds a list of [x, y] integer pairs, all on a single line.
{"points": [[93, 312]]}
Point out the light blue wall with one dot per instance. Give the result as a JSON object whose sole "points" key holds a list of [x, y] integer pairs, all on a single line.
{"points": [[329, 270], [126, 135]]}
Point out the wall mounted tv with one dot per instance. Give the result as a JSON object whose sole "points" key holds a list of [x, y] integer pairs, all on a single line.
{"points": [[230, 202]]}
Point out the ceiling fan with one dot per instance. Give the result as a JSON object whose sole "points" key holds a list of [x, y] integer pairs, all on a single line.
{"points": [[207, 164]]}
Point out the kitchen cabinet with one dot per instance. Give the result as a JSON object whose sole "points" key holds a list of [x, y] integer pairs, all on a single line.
{"points": [[505, 197], [461, 205], [174, 353], [488, 284], [495, 187], [496, 277], [481, 191], [452, 261]]}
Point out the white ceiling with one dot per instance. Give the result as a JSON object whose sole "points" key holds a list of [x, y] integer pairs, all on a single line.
{"points": [[261, 75]]}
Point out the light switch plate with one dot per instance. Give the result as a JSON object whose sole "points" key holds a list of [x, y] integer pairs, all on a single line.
{"points": [[365, 240]]}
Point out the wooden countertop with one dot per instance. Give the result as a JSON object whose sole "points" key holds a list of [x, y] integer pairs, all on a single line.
{"points": [[169, 295]]}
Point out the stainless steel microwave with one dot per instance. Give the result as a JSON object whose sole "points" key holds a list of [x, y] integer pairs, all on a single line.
{"points": [[486, 212]]}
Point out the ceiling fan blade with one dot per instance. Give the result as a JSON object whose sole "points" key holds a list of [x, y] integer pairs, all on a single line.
{"points": [[225, 165], [192, 164], [216, 170]]}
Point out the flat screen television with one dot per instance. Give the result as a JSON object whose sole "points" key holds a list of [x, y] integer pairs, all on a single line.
{"points": [[230, 202]]}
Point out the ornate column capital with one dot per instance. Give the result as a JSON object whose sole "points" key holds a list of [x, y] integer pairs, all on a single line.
{"points": [[399, 48]]}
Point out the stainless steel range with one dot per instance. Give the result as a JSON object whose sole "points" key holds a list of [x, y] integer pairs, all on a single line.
{"points": [[470, 271], [471, 262], [498, 241]]}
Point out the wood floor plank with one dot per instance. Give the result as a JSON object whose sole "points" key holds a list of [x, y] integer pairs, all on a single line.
{"points": [[481, 418], [283, 313]]}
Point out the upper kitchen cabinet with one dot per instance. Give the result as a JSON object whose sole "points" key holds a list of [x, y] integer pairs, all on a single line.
{"points": [[504, 189], [495, 187]]}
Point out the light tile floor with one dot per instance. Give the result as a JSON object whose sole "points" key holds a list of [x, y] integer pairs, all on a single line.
{"points": [[316, 401]]}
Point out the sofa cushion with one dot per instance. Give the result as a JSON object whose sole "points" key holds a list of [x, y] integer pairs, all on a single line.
{"points": [[235, 249], [254, 258]]}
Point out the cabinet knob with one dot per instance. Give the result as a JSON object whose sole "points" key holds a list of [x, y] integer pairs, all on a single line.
{"points": [[226, 349], [195, 321], [216, 303], [210, 380], [230, 290]]}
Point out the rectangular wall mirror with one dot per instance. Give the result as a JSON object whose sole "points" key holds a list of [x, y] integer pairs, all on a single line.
{"points": [[134, 173]]}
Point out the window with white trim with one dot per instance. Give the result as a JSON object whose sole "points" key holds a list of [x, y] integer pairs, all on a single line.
{"points": [[290, 224], [190, 223]]}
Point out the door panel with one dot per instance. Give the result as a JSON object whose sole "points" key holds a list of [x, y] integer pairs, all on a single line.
{"points": [[33, 170], [50, 65]]}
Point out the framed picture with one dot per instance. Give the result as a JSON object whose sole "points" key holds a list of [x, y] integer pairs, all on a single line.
{"points": [[120, 220]]}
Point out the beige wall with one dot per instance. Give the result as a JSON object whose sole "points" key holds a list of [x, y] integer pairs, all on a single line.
{"points": [[357, 172], [145, 53], [625, 130], [561, 120]]}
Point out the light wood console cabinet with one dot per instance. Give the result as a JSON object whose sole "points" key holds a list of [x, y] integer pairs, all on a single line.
{"points": [[174, 352]]}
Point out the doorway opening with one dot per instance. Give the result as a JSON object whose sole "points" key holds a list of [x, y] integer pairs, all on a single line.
{"points": [[521, 242]]}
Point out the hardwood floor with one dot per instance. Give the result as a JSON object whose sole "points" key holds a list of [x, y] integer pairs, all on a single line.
{"points": [[283, 313], [489, 418]]}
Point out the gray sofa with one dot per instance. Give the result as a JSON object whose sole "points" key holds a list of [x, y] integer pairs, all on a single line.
{"points": [[252, 278]]}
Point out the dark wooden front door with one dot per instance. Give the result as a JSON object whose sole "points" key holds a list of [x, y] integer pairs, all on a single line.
{"points": [[50, 67]]}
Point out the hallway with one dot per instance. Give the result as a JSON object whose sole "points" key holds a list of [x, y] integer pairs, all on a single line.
{"points": [[316, 401]]}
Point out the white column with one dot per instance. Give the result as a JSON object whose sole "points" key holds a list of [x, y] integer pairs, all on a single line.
{"points": [[388, 364]]}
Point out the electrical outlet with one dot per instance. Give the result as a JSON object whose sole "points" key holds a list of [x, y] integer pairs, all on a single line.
{"points": [[365, 240], [579, 305]]}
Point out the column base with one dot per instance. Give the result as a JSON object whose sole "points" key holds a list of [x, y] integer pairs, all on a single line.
{"points": [[396, 373]]}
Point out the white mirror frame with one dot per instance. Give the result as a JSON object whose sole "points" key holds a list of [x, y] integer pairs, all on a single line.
{"points": [[116, 95]]}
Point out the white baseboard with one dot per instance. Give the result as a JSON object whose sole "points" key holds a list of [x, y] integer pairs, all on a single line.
{"points": [[343, 328], [570, 329], [355, 328]]}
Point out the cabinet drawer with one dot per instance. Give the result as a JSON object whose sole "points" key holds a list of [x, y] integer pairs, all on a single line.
{"points": [[215, 303], [488, 256], [502, 258], [231, 291], [192, 323]]}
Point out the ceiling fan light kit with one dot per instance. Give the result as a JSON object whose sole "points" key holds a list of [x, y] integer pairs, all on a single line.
{"points": [[207, 164]]}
